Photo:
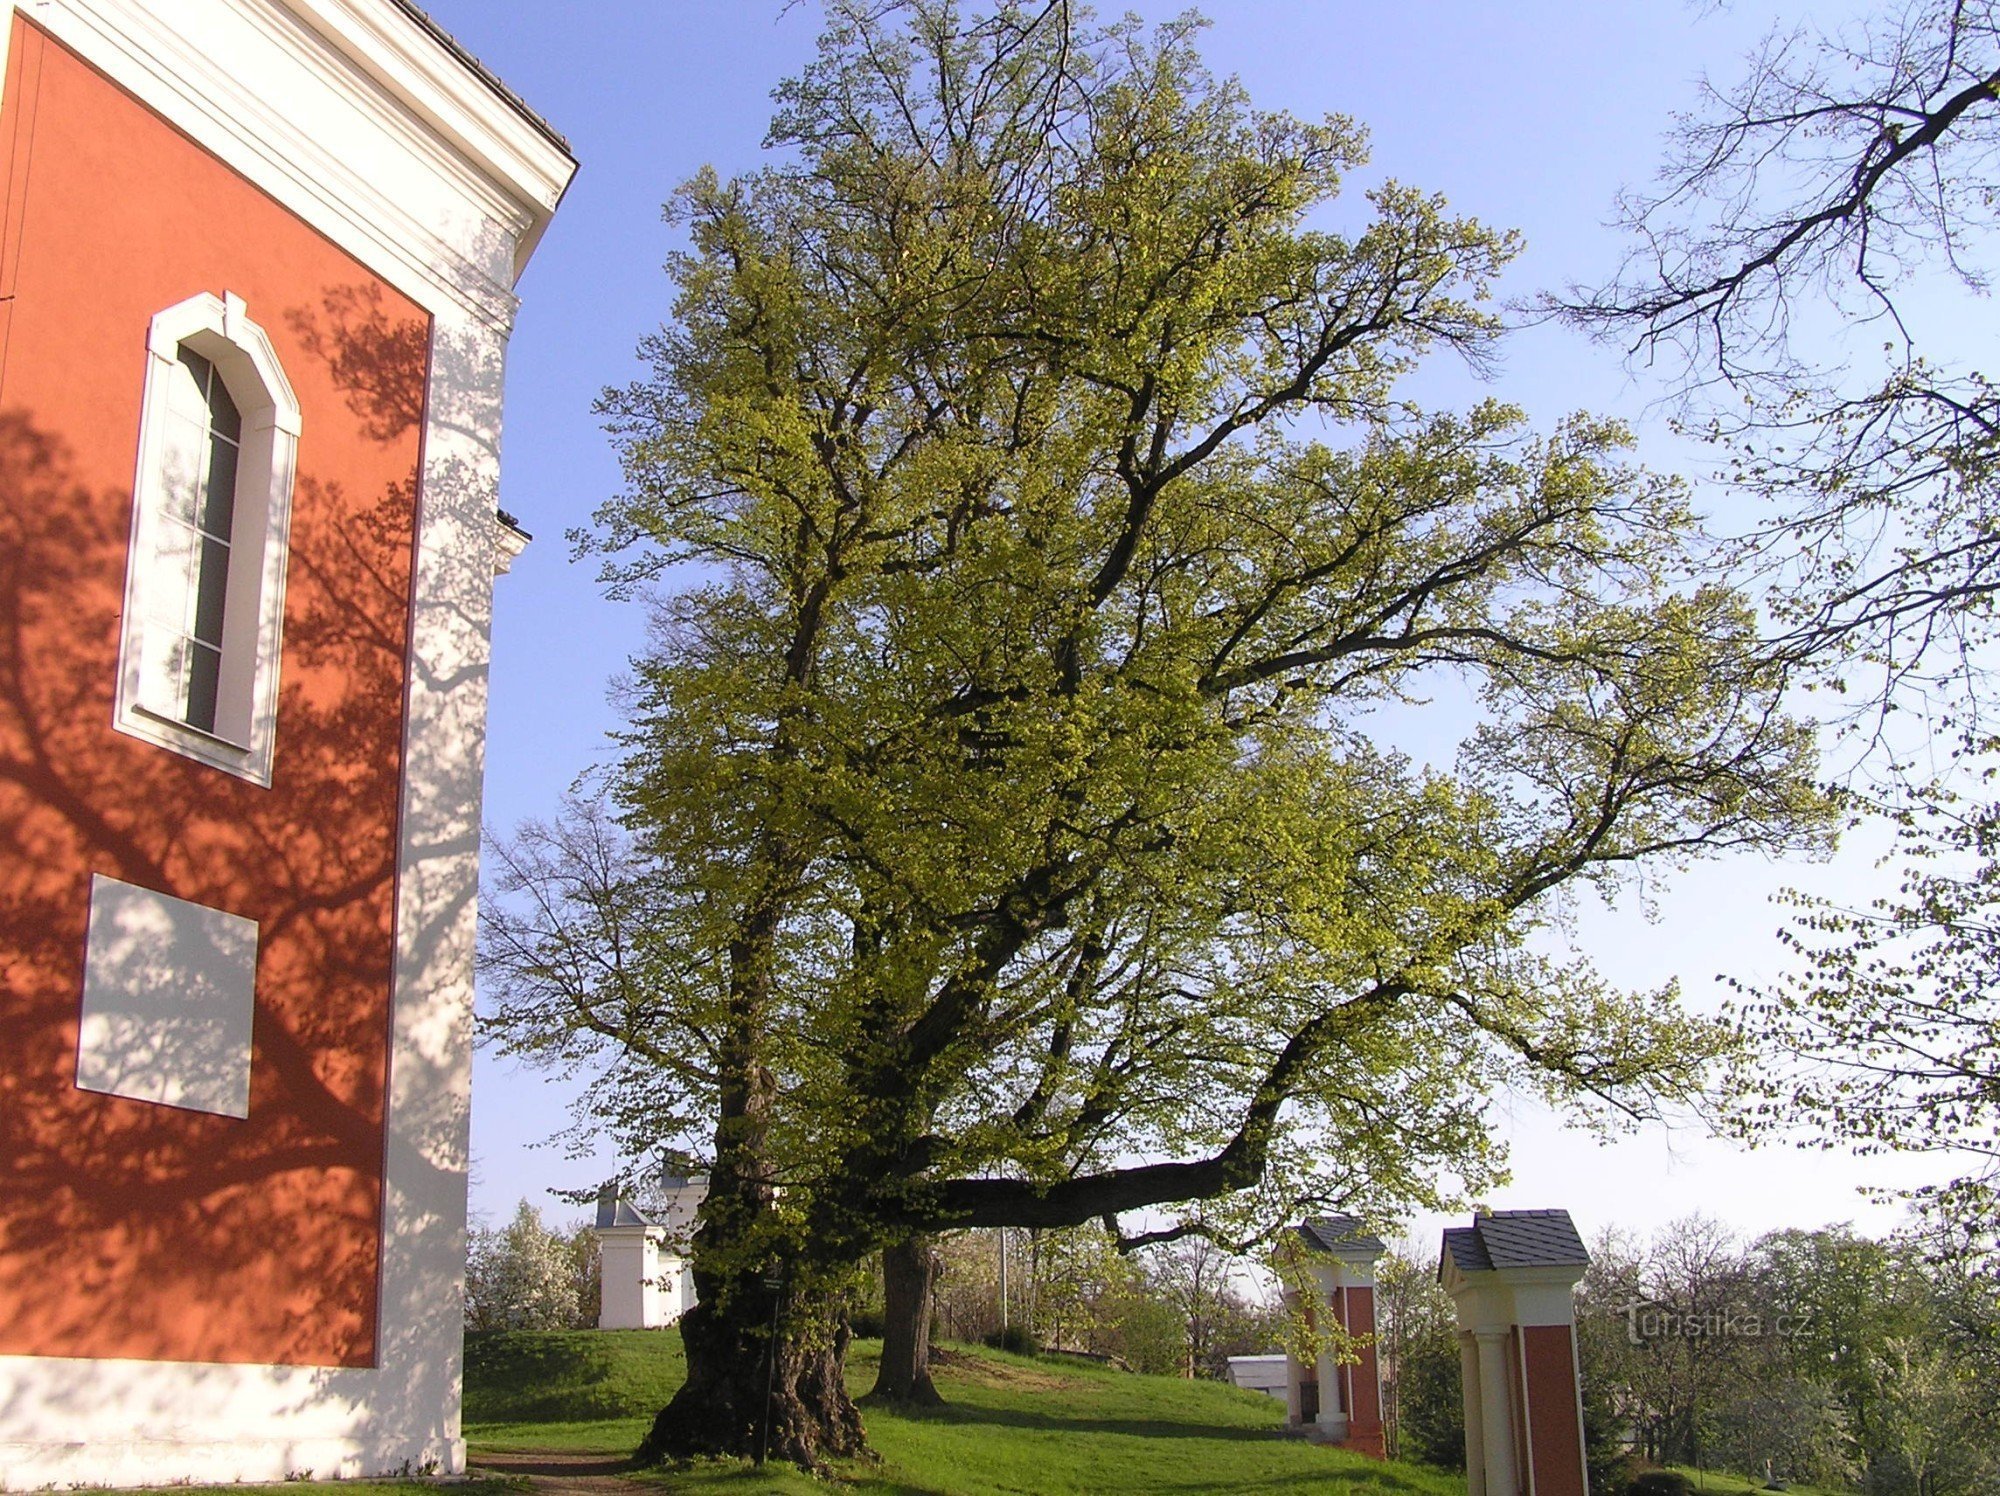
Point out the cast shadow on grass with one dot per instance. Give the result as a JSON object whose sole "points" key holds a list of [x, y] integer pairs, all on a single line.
{"points": [[1341, 1482], [1348, 1475], [1138, 1428], [559, 1466], [537, 1378]]}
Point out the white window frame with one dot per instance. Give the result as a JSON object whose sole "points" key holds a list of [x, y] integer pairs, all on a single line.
{"points": [[244, 739]]}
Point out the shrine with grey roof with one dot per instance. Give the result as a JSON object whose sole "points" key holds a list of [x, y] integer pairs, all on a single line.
{"points": [[1511, 1275]]}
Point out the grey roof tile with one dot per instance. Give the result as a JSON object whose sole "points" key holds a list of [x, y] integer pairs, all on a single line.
{"points": [[1463, 1246], [1516, 1238], [1339, 1233], [1532, 1238], [613, 1209]]}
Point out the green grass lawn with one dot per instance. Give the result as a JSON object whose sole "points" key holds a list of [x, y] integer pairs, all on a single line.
{"points": [[1716, 1483], [518, 1383], [1013, 1425]]}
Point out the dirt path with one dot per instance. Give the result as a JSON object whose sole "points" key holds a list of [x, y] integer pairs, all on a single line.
{"points": [[561, 1473]]}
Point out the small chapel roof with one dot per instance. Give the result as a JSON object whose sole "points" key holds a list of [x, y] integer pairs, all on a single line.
{"points": [[1339, 1233], [613, 1209], [1516, 1238]]}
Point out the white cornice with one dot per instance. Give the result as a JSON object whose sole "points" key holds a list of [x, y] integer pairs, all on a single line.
{"points": [[509, 541], [456, 102], [395, 85]]}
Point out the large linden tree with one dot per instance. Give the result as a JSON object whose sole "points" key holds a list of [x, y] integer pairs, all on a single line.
{"points": [[1003, 832]]}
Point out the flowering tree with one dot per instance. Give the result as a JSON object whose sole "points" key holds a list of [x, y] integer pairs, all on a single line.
{"points": [[522, 1276]]}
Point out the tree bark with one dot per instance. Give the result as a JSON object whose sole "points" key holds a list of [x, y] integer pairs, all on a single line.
{"points": [[766, 1343], [909, 1270], [750, 1394]]}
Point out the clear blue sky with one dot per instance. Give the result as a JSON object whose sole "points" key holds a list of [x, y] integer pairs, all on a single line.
{"points": [[1530, 115]]}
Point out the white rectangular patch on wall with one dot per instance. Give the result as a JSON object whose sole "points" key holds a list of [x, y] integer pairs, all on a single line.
{"points": [[169, 991]]}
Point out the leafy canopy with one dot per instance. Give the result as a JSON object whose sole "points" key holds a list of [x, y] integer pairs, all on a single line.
{"points": [[1033, 533]]}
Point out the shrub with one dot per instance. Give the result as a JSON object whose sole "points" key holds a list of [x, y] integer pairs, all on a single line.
{"points": [[1660, 1483], [1016, 1338], [526, 1277]]}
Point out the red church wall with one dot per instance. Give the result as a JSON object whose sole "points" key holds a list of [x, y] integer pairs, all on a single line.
{"points": [[1555, 1434], [129, 1229]]}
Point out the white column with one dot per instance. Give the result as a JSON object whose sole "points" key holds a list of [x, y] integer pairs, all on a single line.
{"points": [[1496, 1415], [1346, 1367], [1295, 1373], [1332, 1416], [1475, 1446], [1332, 1409]]}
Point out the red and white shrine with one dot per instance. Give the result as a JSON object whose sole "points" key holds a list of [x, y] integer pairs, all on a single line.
{"points": [[1337, 1399], [1512, 1276]]}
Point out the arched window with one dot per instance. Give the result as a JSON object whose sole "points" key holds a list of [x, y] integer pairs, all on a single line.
{"points": [[204, 591]]}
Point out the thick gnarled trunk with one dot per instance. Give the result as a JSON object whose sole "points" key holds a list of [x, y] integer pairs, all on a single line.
{"points": [[752, 1395], [909, 1271], [767, 1338]]}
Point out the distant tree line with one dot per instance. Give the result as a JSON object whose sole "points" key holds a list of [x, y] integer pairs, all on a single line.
{"points": [[1181, 1308], [1820, 1356], [1177, 1309], [1802, 1356]]}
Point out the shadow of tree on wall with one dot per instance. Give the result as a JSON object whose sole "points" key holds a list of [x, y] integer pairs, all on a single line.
{"points": [[144, 1231], [188, 1232], [377, 359], [264, 1231]]}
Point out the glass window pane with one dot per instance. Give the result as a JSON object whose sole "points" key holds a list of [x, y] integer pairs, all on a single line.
{"points": [[164, 685], [188, 596], [210, 587], [187, 387], [204, 681], [185, 444], [198, 366], [218, 511], [222, 413], [170, 597]]}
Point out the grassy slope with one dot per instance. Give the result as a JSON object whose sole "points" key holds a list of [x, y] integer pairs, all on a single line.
{"points": [[1716, 1483], [1013, 1425], [524, 1380]]}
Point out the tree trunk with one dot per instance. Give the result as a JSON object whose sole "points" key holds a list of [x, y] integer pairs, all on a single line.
{"points": [[749, 1395], [767, 1339], [909, 1270]]}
